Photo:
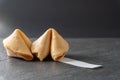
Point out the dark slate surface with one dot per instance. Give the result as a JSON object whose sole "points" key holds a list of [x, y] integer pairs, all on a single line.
{"points": [[104, 51]]}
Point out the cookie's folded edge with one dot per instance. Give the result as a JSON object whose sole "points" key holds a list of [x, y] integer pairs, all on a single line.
{"points": [[59, 46], [41, 46]]}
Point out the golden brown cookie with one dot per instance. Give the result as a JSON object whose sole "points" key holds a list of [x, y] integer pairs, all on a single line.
{"points": [[41, 46], [18, 45], [59, 46]]}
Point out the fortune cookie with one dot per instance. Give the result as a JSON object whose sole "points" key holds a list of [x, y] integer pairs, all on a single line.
{"points": [[50, 43], [18, 45], [59, 46], [41, 47]]}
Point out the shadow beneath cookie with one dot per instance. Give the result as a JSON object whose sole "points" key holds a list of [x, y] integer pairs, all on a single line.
{"points": [[48, 58]]}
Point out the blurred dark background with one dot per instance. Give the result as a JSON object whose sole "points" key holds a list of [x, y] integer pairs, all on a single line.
{"points": [[71, 18]]}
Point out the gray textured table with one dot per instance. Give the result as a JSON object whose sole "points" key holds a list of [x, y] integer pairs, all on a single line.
{"points": [[104, 51]]}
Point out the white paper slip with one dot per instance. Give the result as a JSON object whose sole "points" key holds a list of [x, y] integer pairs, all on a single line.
{"points": [[79, 63]]}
